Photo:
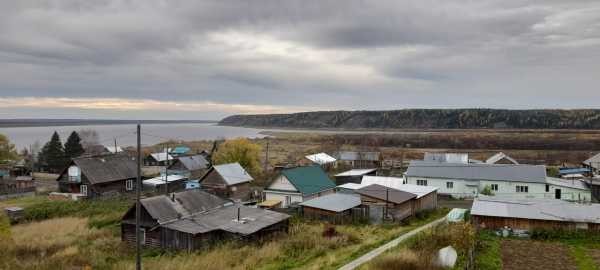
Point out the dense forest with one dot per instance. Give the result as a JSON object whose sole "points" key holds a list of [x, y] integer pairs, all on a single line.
{"points": [[426, 119]]}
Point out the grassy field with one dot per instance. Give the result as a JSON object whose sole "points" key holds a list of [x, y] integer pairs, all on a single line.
{"points": [[73, 235]]}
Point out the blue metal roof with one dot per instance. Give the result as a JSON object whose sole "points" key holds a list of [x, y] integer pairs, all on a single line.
{"points": [[180, 150], [573, 170]]}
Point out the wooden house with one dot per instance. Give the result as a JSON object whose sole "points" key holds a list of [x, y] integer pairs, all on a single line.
{"points": [[192, 167], [298, 185], [227, 180], [99, 175], [195, 219], [337, 208], [159, 159], [387, 203], [534, 214]]}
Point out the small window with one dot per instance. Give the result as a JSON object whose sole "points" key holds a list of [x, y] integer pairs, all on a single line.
{"points": [[522, 189], [234, 188], [288, 200], [129, 185], [83, 190], [421, 182], [449, 185], [547, 188], [494, 187], [143, 236]]}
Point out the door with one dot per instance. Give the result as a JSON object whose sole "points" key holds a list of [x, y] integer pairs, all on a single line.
{"points": [[557, 193], [83, 190]]}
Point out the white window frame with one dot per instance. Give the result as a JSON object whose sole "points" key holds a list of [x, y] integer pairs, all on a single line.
{"points": [[494, 187], [129, 185], [143, 236], [288, 200], [83, 190], [421, 182], [449, 185], [522, 189]]}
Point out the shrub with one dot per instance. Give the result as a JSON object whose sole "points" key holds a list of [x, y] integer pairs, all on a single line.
{"points": [[487, 190], [405, 260]]}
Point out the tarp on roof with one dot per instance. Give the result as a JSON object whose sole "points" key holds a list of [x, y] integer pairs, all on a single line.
{"points": [[309, 180], [494, 172], [233, 173], [356, 172], [386, 194], [107, 168], [321, 158], [336, 202]]}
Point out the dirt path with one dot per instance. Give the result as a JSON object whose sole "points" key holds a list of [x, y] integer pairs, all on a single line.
{"points": [[535, 255]]}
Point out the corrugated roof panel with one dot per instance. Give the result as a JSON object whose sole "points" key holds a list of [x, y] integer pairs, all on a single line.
{"points": [[495, 172], [336, 202]]}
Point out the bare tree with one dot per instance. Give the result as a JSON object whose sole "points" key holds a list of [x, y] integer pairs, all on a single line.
{"points": [[89, 138]]}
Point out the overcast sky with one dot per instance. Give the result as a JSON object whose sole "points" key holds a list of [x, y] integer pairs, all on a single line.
{"points": [[151, 59]]}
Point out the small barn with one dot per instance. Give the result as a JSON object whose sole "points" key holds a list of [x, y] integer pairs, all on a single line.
{"points": [[99, 175], [531, 214], [387, 203], [359, 160], [193, 167], [298, 185], [228, 180], [159, 159], [195, 219], [337, 208], [353, 176]]}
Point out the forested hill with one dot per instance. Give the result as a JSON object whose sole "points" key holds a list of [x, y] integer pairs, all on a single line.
{"points": [[425, 119]]}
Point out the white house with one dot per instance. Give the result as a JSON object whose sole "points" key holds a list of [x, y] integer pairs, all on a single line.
{"points": [[461, 180], [298, 185]]}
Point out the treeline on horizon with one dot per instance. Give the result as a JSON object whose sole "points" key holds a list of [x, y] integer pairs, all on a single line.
{"points": [[426, 119]]}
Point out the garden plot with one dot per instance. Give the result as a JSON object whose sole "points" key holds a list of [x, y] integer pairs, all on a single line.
{"points": [[536, 255]]}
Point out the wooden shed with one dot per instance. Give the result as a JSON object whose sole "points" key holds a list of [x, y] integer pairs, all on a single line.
{"points": [[336, 208], [532, 214], [393, 204]]}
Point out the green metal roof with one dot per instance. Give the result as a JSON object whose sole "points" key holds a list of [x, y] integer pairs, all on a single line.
{"points": [[309, 180]]}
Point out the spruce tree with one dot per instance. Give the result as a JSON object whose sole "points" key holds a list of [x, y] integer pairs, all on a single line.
{"points": [[54, 154], [73, 147]]}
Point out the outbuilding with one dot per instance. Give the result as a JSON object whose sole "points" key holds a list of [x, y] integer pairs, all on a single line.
{"points": [[336, 208], [387, 203], [228, 180]]}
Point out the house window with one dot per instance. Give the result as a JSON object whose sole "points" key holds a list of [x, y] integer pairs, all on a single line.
{"points": [[288, 200], [522, 189], [143, 236], [449, 185], [494, 187], [83, 190], [129, 185], [547, 188], [421, 182], [234, 188]]}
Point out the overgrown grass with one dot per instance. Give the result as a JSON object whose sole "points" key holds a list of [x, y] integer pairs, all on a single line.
{"points": [[488, 252], [583, 259]]}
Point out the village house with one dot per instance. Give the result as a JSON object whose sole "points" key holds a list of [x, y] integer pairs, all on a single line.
{"points": [[426, 195], [298, 185], [469, 180], [159, 159], [228, 180], [337, 208], [501, 158], [99, 175], [195, 219], [531, 214], [322, 159], [593, 163], [192, 167], [387, 203], [353, 176], [359, 160]]}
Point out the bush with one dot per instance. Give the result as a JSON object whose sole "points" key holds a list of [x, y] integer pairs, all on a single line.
{"points": [[487, 190], [405, 260]]}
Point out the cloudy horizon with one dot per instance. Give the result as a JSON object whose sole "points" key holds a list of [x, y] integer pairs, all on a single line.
{"points": [[117, 59]]}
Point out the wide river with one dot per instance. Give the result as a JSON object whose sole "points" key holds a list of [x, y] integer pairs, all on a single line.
{"points": [[125, 134]]}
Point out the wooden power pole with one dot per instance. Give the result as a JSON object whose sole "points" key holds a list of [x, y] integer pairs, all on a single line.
{"points": [[138, 211]]}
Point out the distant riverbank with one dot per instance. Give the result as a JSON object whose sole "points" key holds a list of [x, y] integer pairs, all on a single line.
{"points": [[10, 123]]}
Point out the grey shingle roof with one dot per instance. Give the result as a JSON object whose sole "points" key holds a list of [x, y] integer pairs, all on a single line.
{"points": [[163, 208], [336, 202], [107, 168], [494, 172], [233, 173], [539, 209], [225, 218], [193, 163], [499, 156]]}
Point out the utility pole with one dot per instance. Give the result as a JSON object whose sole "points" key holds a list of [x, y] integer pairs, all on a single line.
{"points": [[167, 171], [387, 197], [138, 211], [115, 145], [267, 155]]}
